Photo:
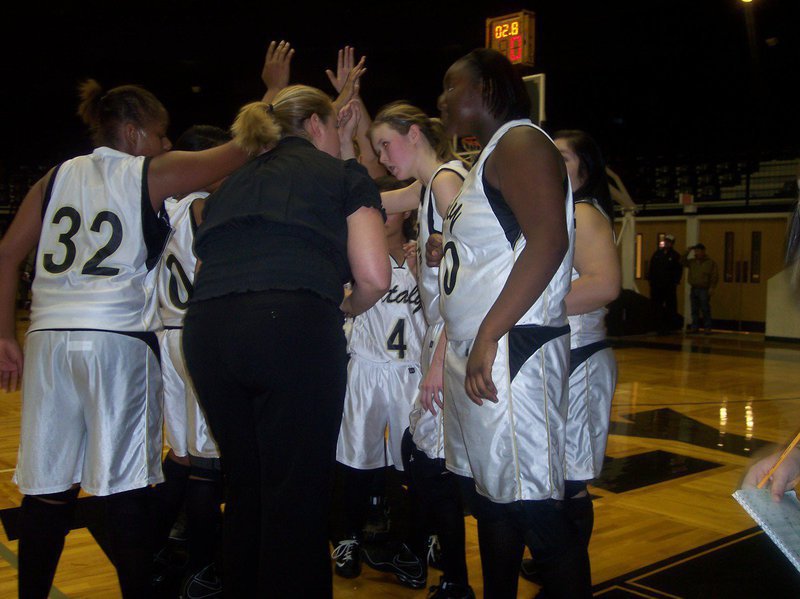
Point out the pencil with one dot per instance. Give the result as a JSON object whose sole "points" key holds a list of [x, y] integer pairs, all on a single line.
{"points": [[780, 459]]}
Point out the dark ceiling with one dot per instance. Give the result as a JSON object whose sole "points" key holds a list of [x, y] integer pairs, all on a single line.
{"points": [[646, 77]]}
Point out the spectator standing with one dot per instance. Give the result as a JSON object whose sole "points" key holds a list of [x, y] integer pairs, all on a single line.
{"points": [[703, 279], [664, 275]]}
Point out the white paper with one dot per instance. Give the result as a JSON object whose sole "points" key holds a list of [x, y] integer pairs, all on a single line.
{"points": [[781, 520]]}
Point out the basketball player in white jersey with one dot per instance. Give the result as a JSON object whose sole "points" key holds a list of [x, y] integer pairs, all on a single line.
{"points": [[382, 380], [91, 413], [412, 145], [505, 271], [191, 468], [593, 369], [595, 283]]}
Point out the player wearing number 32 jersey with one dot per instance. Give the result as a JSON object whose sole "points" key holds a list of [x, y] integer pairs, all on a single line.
{"points": [[96, 276]]}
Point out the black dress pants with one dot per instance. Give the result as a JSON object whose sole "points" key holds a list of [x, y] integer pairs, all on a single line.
{"points": [[269, 369]]}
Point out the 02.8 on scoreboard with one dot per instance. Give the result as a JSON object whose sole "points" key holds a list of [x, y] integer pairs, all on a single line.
{"points": [[512, 35]]}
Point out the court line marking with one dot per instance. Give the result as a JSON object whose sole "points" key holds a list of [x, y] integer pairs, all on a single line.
{"points": [[11, 557]]}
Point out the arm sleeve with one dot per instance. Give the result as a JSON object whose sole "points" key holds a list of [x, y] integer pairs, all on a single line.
{"points": [[360, 189]]}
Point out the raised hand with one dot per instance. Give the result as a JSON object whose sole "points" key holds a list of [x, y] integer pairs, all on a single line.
{"points": [[344, 65], [352, 85], [347, 121], [276, 69]]}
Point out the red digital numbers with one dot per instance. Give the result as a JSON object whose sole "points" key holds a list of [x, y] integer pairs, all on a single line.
{"points": [[515, 49], [513, 36]]}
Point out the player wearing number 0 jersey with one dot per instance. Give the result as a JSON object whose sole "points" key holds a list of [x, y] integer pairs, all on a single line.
{"points": [[383, 375], [185, 424], [96, 277], [425, 427], [512, 449], [505, 274], [410, 144]]}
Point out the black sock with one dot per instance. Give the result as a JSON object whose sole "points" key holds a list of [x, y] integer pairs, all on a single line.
{"points": [[128, 517], [42, 528], [579, 509], [355, 499], [421, 497], [560, 556], [448, 514], [167, 499], [501, 547], [204, 518]]}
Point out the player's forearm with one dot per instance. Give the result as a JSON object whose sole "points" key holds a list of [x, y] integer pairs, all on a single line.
{"points": [[589, 293], [362, 298], [8, 294]]}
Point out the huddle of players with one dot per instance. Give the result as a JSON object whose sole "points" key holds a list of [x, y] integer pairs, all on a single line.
{"points": [[389, 345], [391, 348]]}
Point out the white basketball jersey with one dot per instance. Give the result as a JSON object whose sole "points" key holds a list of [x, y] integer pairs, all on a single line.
{"points": [[176, 271], [428, 222], [589, 327], [92, 261], [482, 241], [392, 330]]}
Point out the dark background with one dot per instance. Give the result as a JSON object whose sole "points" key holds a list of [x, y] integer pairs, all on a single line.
{"points": [[647, 78]]}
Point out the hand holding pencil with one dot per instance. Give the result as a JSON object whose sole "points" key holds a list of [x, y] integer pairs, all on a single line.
{"points": [[783, 467]]}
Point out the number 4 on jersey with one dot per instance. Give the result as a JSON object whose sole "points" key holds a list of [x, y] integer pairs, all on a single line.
{"points": [[397, 339]]}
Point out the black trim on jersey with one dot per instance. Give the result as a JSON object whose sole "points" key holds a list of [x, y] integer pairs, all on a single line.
{"points": [[594, 204], [155, 228], [502, 212], [431, 228], [171, 328], [579, 355], [525, 340], [48, 192], [192, 219], [149, 337], [422, 193]]}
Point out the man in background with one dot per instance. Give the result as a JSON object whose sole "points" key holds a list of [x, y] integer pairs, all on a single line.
{"points": [[703, 279], [664, 275]]}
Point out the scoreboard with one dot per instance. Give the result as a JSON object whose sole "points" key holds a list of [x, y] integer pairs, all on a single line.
{"points": [[513, 36]]}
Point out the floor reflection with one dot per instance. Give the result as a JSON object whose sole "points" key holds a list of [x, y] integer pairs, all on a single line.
{"points": [[670, 425], [640, 470]]}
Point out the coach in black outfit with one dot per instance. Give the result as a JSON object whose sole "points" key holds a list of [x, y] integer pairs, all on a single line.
{"points": [[263, 337], [664, 275]]}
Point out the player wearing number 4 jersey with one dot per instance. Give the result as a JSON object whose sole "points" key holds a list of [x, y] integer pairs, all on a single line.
{"points": [[383, 373], [382, 379]]}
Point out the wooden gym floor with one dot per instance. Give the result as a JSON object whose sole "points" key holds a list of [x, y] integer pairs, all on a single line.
{"points": [[687, 415]]}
